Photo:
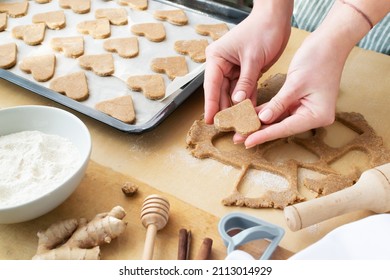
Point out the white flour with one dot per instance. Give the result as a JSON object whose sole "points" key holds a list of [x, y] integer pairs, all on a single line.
{"points": [[32, 163]]}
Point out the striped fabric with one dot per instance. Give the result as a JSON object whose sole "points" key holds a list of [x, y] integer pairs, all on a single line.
{"points": [[308, 14]]}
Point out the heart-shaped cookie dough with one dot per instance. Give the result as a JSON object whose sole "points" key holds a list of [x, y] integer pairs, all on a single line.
{"points": [[215, 31], [53, 20], [121, 108], [135, 4], [152, 86], [125, 47], [241, 118], [8, 55], [98, 29], [70, 46], [3, 21], [116, 16], [14, 10], [73, 85], [41, 66], [100, 64], [194, 48], [154, 32], [77, 6], [31, 34], [173, 66], [176, 17]]}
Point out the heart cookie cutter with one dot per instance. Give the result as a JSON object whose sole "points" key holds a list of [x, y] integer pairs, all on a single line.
{"points": [[238, 229]]}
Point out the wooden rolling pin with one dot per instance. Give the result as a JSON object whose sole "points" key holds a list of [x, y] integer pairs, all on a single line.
{"points": [[370, 192]]}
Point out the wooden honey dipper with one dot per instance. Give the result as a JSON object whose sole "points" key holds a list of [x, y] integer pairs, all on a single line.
{"points": [[370, 192], [154, 216]]}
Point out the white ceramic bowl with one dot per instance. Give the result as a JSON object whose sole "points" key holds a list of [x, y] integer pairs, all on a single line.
{"points": [[54, 121]]}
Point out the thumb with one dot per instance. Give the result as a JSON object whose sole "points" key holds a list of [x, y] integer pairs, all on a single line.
{"points": [[246, 84]]}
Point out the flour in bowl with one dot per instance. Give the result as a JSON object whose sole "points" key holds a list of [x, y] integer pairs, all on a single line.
{"points": [[32, 164]]}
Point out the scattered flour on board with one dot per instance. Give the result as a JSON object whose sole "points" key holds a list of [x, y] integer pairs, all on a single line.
{"points": [[32, 163]]}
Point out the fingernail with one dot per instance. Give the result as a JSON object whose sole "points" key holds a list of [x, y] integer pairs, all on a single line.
{"points": [[249, 147], [265, 115], [239, 96]]}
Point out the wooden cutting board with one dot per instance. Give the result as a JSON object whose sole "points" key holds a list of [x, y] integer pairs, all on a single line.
{"points": [[99, 191]]}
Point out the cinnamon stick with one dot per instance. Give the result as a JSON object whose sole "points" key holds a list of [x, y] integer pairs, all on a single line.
{"points": [[182, 252], [205, 249]]}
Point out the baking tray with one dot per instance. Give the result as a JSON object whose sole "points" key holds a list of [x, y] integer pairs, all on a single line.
{"points": [[219, 10]]}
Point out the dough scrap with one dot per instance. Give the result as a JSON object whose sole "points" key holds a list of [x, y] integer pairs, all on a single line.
{"points": [[152, 86], [194, 48], [31, 34], [154, 32], [3, 21], [73, 85], [135, 4], [41, 67], [125, 47], [100, 64], [53, 20], [14, 10], [200, 142], [121, 108], [70, 46], [176, 17], [116, 16], [98, 29], [215, 31], [241, 118], [173, 66], [77, 6], [8, 53]]}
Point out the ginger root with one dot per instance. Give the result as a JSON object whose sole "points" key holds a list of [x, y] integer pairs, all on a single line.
{"points": [[78, 239]]}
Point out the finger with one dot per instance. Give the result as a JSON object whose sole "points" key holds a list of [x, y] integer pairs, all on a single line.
{"points": [[212, 90], [247, 82], [238, 138], [289, 126]]}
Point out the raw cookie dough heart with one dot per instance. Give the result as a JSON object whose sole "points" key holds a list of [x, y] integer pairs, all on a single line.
{"points": [[152, 86], [173, 66], [70, 46], [100, 64], [41, 67], [241, 118], [32, 34], [194, 48], [73, 85], [121, 108], [125, 47], [77, 6], [53, 20], [116, 16], [215, 31], [8, 55], [14, 10], [154, 32], [3, 21], [177, 17], [135, 4], [98, 29]]}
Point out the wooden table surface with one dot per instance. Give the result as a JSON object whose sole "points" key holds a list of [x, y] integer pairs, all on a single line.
{"points": [[159, 162]]}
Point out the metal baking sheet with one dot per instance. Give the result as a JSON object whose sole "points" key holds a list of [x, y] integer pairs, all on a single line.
{"points": [[149, 113]]}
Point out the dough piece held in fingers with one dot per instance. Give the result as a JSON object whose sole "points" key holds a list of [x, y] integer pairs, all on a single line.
{"points": [[41, 67], [125, 47], [100, 64], [173, 66], [121, 108], [8, 55], [73, 85], [70, 46], [154, 32], [152, 86]]}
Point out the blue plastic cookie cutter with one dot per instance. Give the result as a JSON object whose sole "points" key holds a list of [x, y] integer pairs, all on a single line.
{"points": [[249, 229]]}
